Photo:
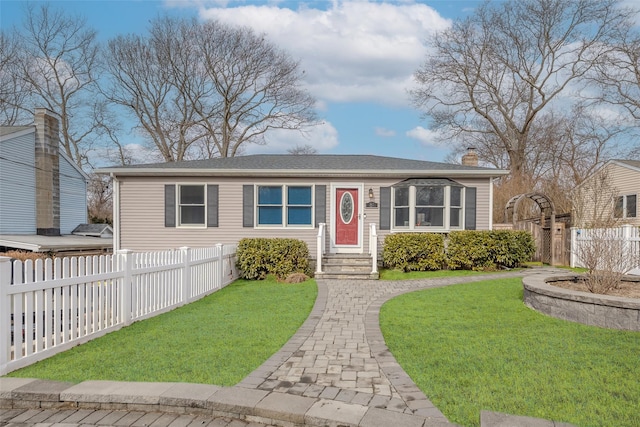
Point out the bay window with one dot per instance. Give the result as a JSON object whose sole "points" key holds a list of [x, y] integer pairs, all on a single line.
{"points": [[401, 207], [427, 204], [455, 207]]}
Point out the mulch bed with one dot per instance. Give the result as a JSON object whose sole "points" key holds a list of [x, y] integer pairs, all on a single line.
{"points": [[626, 289]]}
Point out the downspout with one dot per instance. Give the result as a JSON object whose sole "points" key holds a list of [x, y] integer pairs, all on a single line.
{"points": [[491, 202], [116, 212]]}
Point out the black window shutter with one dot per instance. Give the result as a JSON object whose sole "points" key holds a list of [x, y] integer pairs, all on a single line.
{"points": [[470, 208], [321, 204], [385, 208], [169, 205], [212, 205], [247, 205]]}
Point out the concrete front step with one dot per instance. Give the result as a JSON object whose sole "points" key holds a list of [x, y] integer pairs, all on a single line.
{"points": [[347, 266], [346, 261], [347, 276], [355, 268]]}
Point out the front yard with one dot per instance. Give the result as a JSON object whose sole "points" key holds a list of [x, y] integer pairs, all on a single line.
{"points": [[468, 347], [218, 340], [477, 346]]}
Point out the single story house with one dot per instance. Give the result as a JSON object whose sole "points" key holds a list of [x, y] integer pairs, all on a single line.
{"points": [[221, 200], [609, 196]]}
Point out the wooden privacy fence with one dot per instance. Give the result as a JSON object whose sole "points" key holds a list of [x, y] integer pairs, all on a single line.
{"points": [[545, 238], [627, 235], [49, 306]]}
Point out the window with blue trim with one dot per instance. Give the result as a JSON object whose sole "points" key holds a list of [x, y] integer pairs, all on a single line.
{"points": [[284, 205], [269, 205], [299, 206]]}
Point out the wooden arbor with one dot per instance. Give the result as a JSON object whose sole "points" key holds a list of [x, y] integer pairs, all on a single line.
{"points": [[547, 221]]}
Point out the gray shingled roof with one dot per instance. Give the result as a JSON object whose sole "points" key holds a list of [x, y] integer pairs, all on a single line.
{"points": [[632, 163], [8, 130], [92, 229], [324, 162]]}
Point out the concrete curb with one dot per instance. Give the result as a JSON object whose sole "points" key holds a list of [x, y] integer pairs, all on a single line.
{"points": [[273, 408]]}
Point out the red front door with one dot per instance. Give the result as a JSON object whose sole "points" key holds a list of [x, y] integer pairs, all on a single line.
{"points": [[347, 218]]}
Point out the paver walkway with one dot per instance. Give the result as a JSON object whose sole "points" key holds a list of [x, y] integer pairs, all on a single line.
{"points": [[336, 370], [340, 354]]}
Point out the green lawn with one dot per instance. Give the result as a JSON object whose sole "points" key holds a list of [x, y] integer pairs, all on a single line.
{"points": [[477, 346], [219, 339]]}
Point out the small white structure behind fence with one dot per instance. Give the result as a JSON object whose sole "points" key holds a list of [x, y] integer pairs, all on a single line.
{"points": [[49, 306], [628, 235]]}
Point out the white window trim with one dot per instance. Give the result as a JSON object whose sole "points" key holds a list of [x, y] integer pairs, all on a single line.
{"points": [[285, 205], [446, 227], [625, 199], [461, 207], [179, 223]]}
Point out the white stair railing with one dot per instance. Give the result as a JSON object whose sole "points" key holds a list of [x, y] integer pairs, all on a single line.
{"points": [[320, 246], [373, 247]]}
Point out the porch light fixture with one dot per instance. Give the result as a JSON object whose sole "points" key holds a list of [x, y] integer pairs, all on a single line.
{"points": [[371, 194]]}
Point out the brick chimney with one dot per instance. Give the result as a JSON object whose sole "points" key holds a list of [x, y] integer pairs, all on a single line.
{"points": [[471, 158], [47, 173]]}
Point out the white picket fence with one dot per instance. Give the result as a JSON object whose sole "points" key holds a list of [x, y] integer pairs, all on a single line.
{"points": [[627, 235], [49, 306]]}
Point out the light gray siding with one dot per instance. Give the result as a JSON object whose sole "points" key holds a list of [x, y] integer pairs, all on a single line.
{"points": [[619, 180], [626, 182], [142, 225], [17, 185], [483, 200], [73, 197], [142, 216]]}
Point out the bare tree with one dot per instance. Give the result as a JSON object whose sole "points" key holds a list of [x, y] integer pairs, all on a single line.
{"points": [[493, 76], [13, 94], [99, 200], [619, 75], [59, 66], [144, 81], [302, 149], [206, 89]]}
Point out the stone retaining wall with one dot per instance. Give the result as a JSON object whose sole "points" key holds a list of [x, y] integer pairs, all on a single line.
{"points": [[582, 307]]}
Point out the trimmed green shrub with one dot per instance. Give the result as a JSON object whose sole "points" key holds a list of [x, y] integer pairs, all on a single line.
{"points": [[414, 251], [512, 248], [259, 257], [486, 250], [469, 250]]}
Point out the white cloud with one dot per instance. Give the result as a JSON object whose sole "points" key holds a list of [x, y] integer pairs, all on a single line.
{"points": [[426, 137], [322, 137], [386, 133], [352, 51]]}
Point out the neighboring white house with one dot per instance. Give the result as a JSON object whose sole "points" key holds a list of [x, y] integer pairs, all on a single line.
{"points": [[43, 193], [609, 196]]}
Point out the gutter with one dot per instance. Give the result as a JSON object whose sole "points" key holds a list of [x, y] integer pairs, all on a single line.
{"points": [[315, 173], [115, 221]]}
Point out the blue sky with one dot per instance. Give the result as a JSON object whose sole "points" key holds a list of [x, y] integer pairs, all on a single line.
{"points": [[358, 56]]}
